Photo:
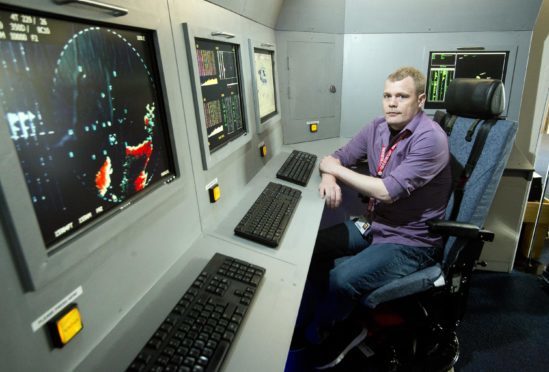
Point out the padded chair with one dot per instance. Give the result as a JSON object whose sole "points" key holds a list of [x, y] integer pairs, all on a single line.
{"points": [[412, 320]]}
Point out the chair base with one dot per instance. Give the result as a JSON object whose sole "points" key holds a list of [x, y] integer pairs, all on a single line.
{"points": [[374, 355], [397, 358]]}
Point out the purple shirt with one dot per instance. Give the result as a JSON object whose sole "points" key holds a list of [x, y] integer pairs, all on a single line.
{"points": [[417, 177]]}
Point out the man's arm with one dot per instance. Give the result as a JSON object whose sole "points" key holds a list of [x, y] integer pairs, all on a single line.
{"points": [[367, 185], [355, 149]]}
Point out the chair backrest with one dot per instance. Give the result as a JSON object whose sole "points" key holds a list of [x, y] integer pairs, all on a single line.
{"points": [[473, 109]]}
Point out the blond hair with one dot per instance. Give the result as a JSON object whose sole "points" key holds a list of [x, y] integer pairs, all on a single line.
{"points": [[414, 73]]}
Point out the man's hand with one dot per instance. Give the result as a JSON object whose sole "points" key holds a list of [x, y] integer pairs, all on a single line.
{"points": [[330, 190]]}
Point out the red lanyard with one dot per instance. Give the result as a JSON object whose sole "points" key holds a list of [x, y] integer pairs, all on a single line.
{"points": [[383, 160], [384, 157]]}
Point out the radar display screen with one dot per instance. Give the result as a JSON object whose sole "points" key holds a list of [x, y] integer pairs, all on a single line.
{"points": [[82, 103]]}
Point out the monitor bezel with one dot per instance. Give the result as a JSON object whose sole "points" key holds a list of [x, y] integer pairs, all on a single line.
{"points": [[38, 264], [212, 158], [266, 122]]}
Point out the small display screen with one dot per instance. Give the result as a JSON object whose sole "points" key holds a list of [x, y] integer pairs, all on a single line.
{"points": [[83, 105], [219, 72], [446, 66], [266, 85]]}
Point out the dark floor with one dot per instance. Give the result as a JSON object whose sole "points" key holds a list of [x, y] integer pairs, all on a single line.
{"points": [[506, 327]]}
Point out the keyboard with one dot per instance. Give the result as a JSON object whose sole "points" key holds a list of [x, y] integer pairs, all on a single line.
{"points": [[266, 220], [297, 168], [198, 332]]}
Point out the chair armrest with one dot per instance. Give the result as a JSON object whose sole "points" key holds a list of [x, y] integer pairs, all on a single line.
{"points": [[460, 230]]}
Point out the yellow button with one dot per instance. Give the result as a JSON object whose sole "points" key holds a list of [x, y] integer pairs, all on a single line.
{"points": [[313, 128], [215, 193], [69, 325], [263, 151]]}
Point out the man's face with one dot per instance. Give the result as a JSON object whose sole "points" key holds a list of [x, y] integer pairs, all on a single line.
{"points": [[401, 102]]}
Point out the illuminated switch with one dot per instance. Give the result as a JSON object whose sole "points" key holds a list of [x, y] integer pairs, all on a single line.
{"points": [[263, 150], [65, 326], [313, 127], [215, 193]]}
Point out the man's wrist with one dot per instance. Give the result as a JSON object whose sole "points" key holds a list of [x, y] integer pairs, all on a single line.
{"points": [[327, 176]]}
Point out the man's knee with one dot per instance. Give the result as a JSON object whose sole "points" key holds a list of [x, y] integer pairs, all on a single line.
{"points": [[341, 282]]}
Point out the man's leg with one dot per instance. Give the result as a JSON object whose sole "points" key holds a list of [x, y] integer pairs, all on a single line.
{"points": [[362, 273], [340, 240], [334, 242]]}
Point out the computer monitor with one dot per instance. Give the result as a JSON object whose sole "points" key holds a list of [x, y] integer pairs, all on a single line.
{"points": [[84, 124], [216, 72], [265, 80], [444, 66]]}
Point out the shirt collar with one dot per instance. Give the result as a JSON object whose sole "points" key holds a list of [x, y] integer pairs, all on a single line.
{"points": [[415, 121], [412, 125]]}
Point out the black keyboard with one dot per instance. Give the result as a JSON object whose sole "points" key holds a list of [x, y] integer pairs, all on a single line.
{"points": [[297, 168], [266, 220], [198, 332]]}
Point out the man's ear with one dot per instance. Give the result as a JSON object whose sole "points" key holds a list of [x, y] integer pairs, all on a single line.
{"points": [[421, 99]]}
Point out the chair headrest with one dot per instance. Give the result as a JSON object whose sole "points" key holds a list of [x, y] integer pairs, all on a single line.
{"points": [[475, 98]]}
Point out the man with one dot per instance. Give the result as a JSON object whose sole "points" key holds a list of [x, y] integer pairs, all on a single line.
{"points": [[409, 184]]}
